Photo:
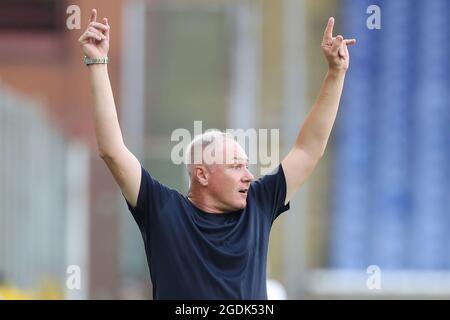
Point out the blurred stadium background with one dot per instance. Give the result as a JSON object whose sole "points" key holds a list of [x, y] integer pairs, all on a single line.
{"points": [[380, 196]]}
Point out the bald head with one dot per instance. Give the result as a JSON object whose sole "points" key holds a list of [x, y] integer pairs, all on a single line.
{"points": [[213, 148]]}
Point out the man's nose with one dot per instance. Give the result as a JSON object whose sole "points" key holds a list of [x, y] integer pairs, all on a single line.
{"points": [[248, 175]]}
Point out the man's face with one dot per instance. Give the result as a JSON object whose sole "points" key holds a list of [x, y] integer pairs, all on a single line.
{"points": [[229, 182]]}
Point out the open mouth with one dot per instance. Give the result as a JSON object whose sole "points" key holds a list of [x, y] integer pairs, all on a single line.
{"points": [[243, 191]]}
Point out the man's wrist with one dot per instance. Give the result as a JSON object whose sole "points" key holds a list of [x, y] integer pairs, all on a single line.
{"points": [[336, 72], [97, 66]]}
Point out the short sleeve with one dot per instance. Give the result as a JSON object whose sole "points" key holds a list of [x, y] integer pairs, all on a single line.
{"points": [[270, 192], [152, 195]]}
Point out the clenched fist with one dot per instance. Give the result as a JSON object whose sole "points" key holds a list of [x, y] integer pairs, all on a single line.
{"points": [[335, 48], [95, 40]]}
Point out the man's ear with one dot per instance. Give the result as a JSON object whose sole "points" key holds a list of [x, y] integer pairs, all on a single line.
{"points": [[201, 174]]}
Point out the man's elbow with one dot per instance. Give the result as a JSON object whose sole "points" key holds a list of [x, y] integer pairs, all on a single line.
{"points": [[105, 156], [310, 160], [315, 156], [313, 152], [112, 155]]}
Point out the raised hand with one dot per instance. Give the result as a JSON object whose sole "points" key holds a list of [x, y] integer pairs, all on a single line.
{"points": [[95, 40], [335, 48]]}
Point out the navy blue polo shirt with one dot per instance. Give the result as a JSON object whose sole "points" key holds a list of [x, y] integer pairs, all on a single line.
{"points": [[193, 254]]}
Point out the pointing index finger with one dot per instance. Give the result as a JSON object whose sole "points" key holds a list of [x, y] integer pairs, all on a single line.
{"points": [[93, 15], [328, 34]]}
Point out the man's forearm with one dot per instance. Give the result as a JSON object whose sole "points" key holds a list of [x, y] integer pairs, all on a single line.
{"points": [[107, 129], [316, 129]]}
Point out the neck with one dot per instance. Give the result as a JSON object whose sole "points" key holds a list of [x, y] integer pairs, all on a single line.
{"points": [[203, 202]]}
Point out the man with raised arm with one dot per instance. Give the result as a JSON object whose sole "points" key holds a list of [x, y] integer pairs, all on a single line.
{"points": [[211, 243]]}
